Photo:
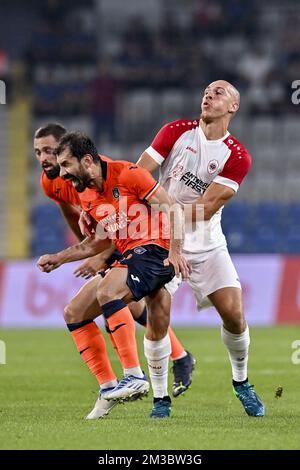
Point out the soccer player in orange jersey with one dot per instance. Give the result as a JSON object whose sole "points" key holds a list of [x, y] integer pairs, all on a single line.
{"points": [[46, 140], [146, 265], [64, 194], [61, 191]]}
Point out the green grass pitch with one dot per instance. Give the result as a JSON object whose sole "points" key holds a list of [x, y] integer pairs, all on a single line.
{"points": [[45, 392]]}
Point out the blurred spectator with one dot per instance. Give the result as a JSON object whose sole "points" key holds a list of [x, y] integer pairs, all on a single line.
{"points": [[153, 69], [134, 66], [4, 64], [137, 32], [255, 65], [170, 31], [105, 90], [5, 73]]}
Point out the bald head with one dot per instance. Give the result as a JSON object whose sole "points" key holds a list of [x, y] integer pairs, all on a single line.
{"points": [[235, 94], [221, 100], [229, 89]]}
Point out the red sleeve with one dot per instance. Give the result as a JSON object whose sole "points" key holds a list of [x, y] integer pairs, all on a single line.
{"points": [[140, 181], [165, 139], [236, 167]]}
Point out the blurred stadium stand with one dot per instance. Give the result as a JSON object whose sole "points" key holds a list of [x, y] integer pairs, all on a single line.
{"points": [[120, 77]]}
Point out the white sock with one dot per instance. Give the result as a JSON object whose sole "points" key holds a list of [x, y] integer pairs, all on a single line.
{"points": [[238, 346], [136, 371], [157, 354], [110, 384]]}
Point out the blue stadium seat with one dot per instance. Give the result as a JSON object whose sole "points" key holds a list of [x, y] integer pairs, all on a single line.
{"points": [[236, 211], [266, 239], [235, 217], [268, 215], [48, 230], [239, 240], [291, 240], [291, 214]]}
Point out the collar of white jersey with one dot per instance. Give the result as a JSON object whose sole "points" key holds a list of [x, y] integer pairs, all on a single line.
{"points": [[209, 142]]}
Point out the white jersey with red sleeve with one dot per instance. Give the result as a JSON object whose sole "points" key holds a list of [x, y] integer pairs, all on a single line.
{"points": [[189, 163]]}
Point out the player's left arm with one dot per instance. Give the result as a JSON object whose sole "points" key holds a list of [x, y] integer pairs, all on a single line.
{"points": [[160, 200], [225, 184], [148, 189], [213, 199], [91, 266]]}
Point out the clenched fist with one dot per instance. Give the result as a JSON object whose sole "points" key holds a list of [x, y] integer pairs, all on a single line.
{"points": [[48, 263]]}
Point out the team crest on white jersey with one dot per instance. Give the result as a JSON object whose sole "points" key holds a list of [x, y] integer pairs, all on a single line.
{"points": [[212, 166], [177, 172]]}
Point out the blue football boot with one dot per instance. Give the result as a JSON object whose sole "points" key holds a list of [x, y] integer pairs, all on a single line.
{"points": [[182, 370], [250, 400], [161, 408]]}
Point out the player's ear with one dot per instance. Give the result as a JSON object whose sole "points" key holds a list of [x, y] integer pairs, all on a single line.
{"points": [[87, 160], [233, 108]]}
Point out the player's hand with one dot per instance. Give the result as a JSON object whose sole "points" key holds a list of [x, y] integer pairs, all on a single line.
{"points": [[180, 264], [90, 267], [48, 263], [86, 225]]}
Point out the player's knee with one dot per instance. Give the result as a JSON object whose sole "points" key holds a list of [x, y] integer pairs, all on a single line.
{"points": [[234, 320], [137, 308], [104, 296], [155, 332], [158, 323], [70, 314], [108, 291]]}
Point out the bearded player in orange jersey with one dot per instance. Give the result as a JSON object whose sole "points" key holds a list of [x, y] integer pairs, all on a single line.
{"points": [[146, 266], [62, 192]]}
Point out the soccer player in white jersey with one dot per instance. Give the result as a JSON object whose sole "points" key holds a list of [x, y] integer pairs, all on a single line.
{"points": [[202, 163]]}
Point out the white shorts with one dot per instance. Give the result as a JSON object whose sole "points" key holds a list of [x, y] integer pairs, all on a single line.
{"points": [[211, 271]]}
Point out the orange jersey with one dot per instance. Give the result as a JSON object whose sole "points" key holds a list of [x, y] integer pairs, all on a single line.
{"points": [[59, 190], [121, 209]]}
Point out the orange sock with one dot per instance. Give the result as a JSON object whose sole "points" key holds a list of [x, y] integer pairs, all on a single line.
{"points": [[122, 329], [177, 349], [113, 343], [91, 345]]}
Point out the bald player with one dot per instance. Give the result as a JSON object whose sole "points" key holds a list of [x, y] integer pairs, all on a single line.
{"points": [[202, 166]]}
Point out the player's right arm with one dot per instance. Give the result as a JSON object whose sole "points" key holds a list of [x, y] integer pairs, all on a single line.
{"points": [[154, 156], [68, 201], [147, 162], [71, 215], [88, 247]]}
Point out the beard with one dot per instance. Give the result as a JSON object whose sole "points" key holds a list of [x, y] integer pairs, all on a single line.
{"points": [[52, 172], [79, 183]]}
